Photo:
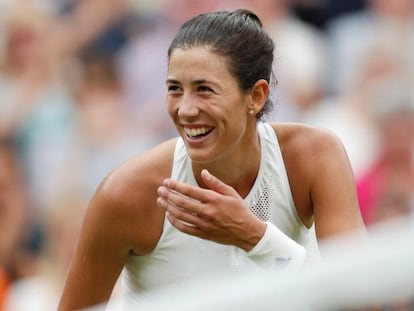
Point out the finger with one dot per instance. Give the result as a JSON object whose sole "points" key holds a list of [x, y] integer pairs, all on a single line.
{"points": [[186, 227], [216, 184], [180, 200], [190, 191], [179, 213]]}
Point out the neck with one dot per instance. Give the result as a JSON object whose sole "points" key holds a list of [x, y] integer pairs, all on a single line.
{"points": [[239, 169]]}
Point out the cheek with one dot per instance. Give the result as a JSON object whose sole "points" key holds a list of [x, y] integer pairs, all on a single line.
{"points": [[236, 109], [235, 118], [171, 107]]}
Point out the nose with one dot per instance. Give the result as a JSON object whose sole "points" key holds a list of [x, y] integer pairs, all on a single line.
{"points": [[188, 107]]}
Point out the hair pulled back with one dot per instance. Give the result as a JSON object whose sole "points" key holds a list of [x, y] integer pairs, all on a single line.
{"points": [[237, 35]]}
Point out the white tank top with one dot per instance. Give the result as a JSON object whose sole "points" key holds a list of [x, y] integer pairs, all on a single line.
{"points": [[179, 256]]}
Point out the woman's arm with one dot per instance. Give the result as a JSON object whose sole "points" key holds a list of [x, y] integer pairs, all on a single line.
{"points": [[122, 217], [332, 188], [321, 179]]}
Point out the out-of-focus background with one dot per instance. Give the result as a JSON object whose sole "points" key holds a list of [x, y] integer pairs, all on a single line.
{"points": [[82, 89]]}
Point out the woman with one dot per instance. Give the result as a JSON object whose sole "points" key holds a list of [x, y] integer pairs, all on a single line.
{"points": [[249, 190]]}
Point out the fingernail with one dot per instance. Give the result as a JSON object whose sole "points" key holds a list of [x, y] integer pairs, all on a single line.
{"points": [[206, 174], [161, 202]]}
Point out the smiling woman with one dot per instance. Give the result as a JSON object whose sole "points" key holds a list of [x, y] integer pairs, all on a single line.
{"points": [[231, 194]]}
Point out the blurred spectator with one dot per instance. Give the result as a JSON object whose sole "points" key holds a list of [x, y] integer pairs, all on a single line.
{"points": [[391, 205], [352, 35], [314, 12], [20, 232], [4, 286], [13, 205], [386, 189], [108, 133], [36, 106], [320, 12], [335, 8], [349, 114], [36, 110], [13, 212], [40, 291]]}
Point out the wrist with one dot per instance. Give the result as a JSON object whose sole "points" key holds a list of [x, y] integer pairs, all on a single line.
{"points": [[253, 236]]}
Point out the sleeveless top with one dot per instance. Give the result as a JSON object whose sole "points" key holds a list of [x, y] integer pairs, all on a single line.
{"points": [[178, 256]]}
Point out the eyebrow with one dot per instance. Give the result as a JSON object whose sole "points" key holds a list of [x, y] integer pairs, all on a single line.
{"points": [[217, 87], [171, 81]]}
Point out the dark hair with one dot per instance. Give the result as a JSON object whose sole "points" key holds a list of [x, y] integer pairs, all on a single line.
{"points": [[237, 35]]}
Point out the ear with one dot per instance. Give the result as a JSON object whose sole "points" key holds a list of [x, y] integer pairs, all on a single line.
{"points": [[258, 95]]}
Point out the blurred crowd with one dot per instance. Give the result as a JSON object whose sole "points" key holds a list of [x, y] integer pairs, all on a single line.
{"points": [[82, 89]]}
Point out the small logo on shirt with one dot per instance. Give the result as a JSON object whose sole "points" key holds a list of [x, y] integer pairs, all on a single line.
{"points": [[282, 261]]}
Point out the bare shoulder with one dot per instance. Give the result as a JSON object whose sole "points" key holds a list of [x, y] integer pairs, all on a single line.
{"points": [[307, 145], [140, 172], [126, 198], [301, 137]]}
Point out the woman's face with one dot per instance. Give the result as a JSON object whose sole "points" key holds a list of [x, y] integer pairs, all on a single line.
{"points": [[206, 104], [26, 46]]}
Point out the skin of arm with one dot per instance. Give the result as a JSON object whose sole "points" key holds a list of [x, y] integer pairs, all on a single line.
{"points": [[122, 218], [321, 179]]}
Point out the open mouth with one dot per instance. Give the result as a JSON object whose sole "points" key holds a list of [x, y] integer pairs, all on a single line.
{"points": [[197, 132]]}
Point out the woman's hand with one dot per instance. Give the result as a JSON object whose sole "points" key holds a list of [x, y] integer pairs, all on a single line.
{"points": [[218, 213]]}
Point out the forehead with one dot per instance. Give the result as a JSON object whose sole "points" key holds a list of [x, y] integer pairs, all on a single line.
{"points": [[198, 63]]}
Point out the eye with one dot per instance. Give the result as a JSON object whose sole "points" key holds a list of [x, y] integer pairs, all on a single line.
{"points": [[204, 89], [173, 89]]}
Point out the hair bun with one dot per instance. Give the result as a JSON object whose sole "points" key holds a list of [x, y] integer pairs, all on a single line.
{"points": [[247, 14]]}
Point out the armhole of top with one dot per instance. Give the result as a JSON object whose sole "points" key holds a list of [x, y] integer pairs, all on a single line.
{"points": [[177, 155], [285, 176]]}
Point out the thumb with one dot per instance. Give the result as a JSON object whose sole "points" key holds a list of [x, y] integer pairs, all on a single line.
{"points": [[216, 184]]}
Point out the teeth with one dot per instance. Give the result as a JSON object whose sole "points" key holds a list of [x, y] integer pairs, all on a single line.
{"points": [[196, 131]]}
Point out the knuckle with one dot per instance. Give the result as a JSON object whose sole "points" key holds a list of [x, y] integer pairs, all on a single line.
{"points": [[180, 201], [180, 214], [212, 198], [205, 228], [190, 192], [209, 214]]}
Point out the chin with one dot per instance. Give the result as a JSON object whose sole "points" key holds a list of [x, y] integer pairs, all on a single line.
{"points": [[200, 156]]}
